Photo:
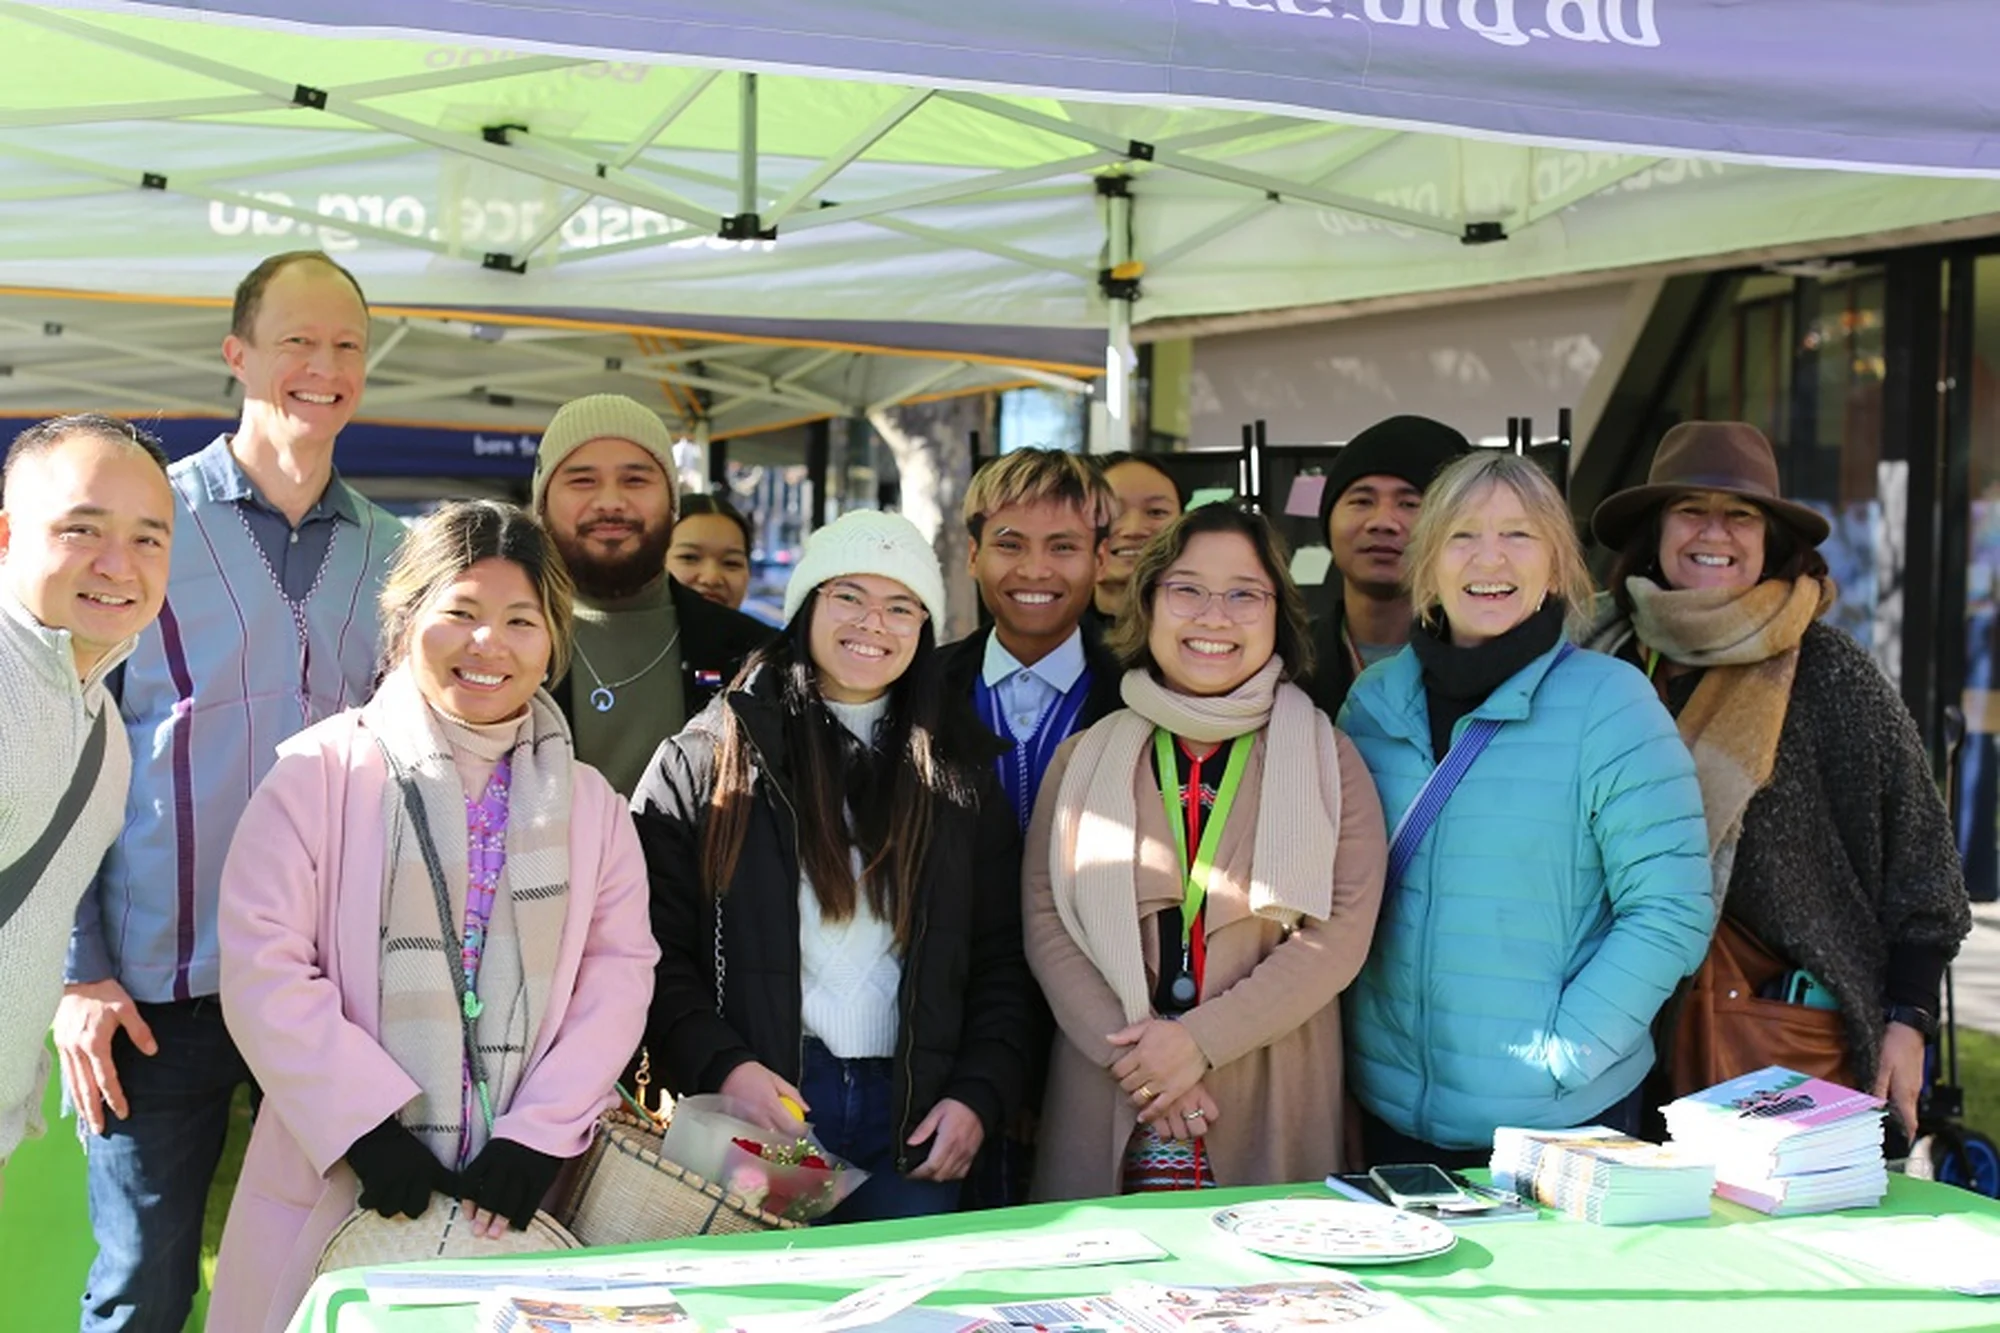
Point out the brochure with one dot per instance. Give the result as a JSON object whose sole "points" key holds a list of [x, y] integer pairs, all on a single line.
{"points": [[1948, 1253], [1263, 1307], [469, 1283], [531, 1311]]}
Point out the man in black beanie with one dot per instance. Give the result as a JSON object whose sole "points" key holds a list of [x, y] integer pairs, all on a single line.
{"points": [[1373, 493]]}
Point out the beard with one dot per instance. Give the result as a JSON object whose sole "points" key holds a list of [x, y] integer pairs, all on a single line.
{"points": [[602, 578]]}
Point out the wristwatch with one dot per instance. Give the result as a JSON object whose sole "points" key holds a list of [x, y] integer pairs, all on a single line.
{"points": [[1911, 1017]]}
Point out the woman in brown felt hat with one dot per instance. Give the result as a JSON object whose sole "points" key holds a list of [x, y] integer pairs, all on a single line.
{"points": [[1839, 889]]}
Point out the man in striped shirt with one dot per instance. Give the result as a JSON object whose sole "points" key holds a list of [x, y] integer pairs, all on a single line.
{"points": [[269, 626]]}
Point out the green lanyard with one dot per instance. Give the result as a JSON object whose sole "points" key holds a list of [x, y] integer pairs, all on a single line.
{"points": [[1195, 891]]}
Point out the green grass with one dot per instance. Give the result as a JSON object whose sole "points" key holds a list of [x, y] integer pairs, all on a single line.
{"points": [[1979, 1075]]}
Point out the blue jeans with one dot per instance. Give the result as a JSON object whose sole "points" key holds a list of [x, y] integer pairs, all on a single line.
{"points": [[854, 1116], [149, 1174]]}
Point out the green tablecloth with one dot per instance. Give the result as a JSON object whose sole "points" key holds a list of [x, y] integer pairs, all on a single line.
{"points": [[1736, 1270]]}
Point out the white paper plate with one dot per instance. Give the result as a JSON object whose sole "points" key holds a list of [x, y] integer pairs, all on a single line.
{"points": [[1330, 1231]]}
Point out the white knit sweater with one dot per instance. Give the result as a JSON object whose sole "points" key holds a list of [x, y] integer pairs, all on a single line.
{"points": [[43, 727], [848, 971]]}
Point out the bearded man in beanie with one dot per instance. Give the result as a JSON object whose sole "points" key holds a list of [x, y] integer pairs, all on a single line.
{"points": [[649, 652], [1373, 494]]}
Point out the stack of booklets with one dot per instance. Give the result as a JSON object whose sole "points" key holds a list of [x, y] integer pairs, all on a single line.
{"points": [[1602, 1176], [1785, 1143]]}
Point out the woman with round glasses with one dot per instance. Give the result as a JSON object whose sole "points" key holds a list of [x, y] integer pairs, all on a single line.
{"points": [[1550, 886], [835, 885], [1200, 885]]}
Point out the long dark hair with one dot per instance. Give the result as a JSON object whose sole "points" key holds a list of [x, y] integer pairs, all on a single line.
{"points": [[1787, 556], [893, 789]]}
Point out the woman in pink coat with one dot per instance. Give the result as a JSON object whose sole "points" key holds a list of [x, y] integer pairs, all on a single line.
{"points": [[436, 949]]}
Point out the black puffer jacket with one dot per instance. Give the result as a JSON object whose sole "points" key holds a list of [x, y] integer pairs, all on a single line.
{"points": [[966, 996]]}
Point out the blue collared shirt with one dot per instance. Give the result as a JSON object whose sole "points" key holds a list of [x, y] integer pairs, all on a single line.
{"points": [[1025, 692], [294, 554], [294, 557]]}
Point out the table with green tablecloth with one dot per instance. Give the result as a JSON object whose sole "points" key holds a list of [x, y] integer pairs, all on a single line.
{"points": [[1735, 1270]]}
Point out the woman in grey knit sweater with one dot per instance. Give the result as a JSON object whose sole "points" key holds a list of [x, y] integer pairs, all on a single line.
{"points": [[1830, 841]]}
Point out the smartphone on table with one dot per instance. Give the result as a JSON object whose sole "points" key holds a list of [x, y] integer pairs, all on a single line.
{"points": [[1418, 1184]]}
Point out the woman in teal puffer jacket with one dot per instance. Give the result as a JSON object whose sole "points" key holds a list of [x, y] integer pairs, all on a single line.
{"points": [[1562, 892]]}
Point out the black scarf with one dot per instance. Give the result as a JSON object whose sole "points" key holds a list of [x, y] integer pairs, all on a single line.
{"points": [[1458, 680]]}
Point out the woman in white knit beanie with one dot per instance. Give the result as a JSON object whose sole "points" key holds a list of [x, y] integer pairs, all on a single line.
{"points": [[835, 885], [1200, 884]]}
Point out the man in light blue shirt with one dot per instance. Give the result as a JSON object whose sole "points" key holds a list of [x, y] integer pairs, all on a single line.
{"points": [[1039, 520], [1025, 691]]}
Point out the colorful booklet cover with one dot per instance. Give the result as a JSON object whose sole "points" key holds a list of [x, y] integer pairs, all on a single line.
{"points": [[583, 1312], [1786, 1143], [1775, 1103]]}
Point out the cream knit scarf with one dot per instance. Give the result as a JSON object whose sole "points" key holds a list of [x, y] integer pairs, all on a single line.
{"points": [[1298, 814], [1747, 642], [421, 1026]]}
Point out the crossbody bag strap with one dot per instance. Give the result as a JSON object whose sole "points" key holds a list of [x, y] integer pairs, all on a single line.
{"points": [[20, 878], [468, 1003], [1444, 780]]}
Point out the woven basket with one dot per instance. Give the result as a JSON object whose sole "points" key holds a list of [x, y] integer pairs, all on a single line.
{"points": [[368, 1239], [624, 1192]]}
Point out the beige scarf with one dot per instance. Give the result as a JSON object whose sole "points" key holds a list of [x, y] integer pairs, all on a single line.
{"points": [[1298, 816], [421, 1027], [1747, 642]]}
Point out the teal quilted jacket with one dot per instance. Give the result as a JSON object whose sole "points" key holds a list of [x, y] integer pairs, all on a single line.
{"points": [[1555, 904]]}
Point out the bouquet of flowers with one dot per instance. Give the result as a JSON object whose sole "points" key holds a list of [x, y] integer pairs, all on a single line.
{"points": [[790, 1175]]}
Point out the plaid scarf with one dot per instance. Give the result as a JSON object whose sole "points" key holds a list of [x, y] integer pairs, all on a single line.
{"points": [[1746, 641], [421, 1019]]}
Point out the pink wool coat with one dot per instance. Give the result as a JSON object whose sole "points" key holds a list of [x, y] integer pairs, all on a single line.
{"points": [[300, 928]]}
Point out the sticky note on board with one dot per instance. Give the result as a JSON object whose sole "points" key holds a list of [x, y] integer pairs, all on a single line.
{"points": [[1211, 495], [1310, 565], [1307, 488]]}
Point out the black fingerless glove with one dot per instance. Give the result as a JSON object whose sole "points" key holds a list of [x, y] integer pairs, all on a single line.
{"points": [[397, 1172], [509, 1179]]}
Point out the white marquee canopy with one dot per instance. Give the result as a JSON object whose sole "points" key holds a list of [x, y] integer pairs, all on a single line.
{"points": [[1035, 166]]}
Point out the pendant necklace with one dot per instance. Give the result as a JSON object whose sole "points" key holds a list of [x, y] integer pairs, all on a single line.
{"points": [[604, 697]]}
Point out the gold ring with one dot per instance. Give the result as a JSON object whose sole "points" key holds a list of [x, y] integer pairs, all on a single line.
{"points": [[1145, 1092]]}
